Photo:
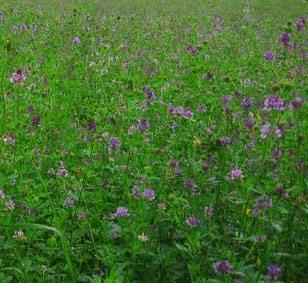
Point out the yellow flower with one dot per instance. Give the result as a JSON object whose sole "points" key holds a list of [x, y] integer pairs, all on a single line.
{"points": [[197, 142], [143, 237]]}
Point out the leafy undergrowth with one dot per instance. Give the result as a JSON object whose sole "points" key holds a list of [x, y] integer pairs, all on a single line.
{"points": [[153, 141]]}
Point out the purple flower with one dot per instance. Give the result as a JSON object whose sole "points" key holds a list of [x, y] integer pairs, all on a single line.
{"points": [[300, 23], [2, 195], [269, 56], [250, 122], [9, 139], [192, 222], [122, 212], [273, 102], [207, 75], [62, 171], [192, 50], [277, 153], [149, 94], [285, 38], [18, 77], [225, 100], [142, 125], [297, 102], [69, 202], [278, 132], [76, 41], [114, 144], [91, 126], [10, 205], [265, 131], [136, 192], [190, 184], [201, 108], [223, 266], [180, 111], [247, 103], [36, 121], [23, 26], [113, 234], [149, 194], [262, 204], [236, 174], [208, 211], [273, 271], [174, 126], [225, 141]]}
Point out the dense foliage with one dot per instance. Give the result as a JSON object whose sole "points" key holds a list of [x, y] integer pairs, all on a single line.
{"points": [[153, 141]]}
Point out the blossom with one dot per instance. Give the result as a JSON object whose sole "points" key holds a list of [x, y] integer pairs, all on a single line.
{"points": [[269, 56], [18, 77], [223, 266], [190, 184], [246, 103], [262, 204], [250, 122], [208, 211], [265, 130], [62, 171], [225, 141], [19, 235], [9, 139], [149, 194], [114, 144], [192, 221], [285, 38], [10, 205], [69, 202], [122, 212], [142, 125], [143, 237], [136, 192], [236, 174], [273, 271], [300, 23], [273, 102], [76, 41]]}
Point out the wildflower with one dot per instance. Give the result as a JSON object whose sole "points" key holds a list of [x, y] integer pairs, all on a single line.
{"points": [[136, 192], [247, 103], [149, 194], [180, 111], [285, 38], [201, 108], [273, 272], [207, 75], [23, 26], [300, 23], [36, 121], [236, 174], [208, 211], [282, 193], [19, 235], [114, 144], [278, 132], [273, 102], [190, 184], [269, 56], [223, 266], [263, 203], [2, 195], [9, 139], [192, 222], [113, 234], [265, 131], [250, 122], [10, 205], [192, 50], [297, 102], [174, 126], [142, 125], [69, 202], [225, 141], [91, 126], [122, 212], [276, 153], [149, 94], [76, 41], [62, 171], [225, 100], [143, 237], [18, 77], [209, 131]]}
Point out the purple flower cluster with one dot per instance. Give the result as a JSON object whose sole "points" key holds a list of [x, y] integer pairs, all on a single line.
{"points": [[285, 38], [236, 174], [274, 102], [269, 56], [223, 266], [122, 212], [300, 23], [114, 144], [150, 95], [262, 204], [273, 272], [192, 222], [181, 112]]}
